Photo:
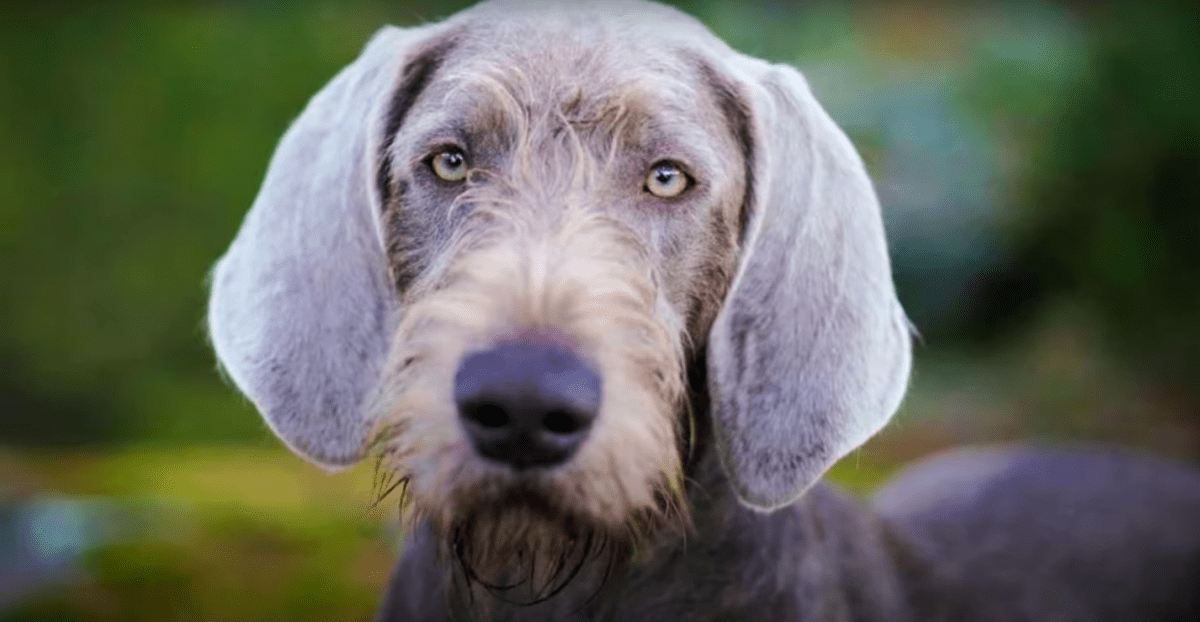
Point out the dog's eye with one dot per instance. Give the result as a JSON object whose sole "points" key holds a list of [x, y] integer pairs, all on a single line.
{"points": [[666, 180], [449, 165]]}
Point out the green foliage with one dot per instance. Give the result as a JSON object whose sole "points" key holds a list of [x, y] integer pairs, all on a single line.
{"points": [[1112, 213], [218, 534], [132, 140]]}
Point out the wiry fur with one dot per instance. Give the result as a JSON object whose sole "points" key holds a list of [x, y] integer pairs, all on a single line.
{"points": [[746, 333], [583, 284], [536, 254]]}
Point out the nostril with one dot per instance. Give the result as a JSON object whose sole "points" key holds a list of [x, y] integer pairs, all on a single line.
{"points": [[564, 422], [527, 404], [486, 414]]}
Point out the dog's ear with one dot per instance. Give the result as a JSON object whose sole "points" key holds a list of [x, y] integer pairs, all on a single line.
{"points": [[302, 308], [810, 353]]}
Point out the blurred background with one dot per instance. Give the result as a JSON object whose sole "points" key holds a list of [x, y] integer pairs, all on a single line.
{"points": [[1038, 163]]}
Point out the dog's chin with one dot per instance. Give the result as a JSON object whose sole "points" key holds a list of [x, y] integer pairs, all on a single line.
{"points": [[521, 546]]}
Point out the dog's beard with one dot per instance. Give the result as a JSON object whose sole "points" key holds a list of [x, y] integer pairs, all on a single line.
{"points": [[520, 549]]}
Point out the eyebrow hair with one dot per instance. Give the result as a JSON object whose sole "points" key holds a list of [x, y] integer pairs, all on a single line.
{"points": [[416, 75]]}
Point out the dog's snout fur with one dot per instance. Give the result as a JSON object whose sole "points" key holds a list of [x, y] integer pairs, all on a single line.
{"points": [[610, 297]]}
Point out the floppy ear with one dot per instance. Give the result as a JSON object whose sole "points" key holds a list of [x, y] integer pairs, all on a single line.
{"points": [[302, 308], [810, 354]]}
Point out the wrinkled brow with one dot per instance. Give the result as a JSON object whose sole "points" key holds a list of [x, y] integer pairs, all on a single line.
{"points": [[492, 95]]}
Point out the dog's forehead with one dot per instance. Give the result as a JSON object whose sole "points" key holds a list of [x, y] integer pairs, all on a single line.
{"points": [[631, 55], [522, 22]]}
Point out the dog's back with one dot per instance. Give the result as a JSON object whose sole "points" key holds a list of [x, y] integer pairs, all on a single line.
{"points": [[1050, 534]]}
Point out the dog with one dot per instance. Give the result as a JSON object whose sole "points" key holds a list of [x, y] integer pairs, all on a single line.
{"points": [[609, 298]]}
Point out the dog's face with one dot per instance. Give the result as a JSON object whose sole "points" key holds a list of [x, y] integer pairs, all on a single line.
{"points": [[553, 197], [490, 247]]}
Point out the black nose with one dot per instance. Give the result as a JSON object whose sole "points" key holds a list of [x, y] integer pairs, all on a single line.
{"points": [[527, 404]]}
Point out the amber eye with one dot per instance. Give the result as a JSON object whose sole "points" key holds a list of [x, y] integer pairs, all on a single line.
{"points": [[666, 180], [449, 165]]}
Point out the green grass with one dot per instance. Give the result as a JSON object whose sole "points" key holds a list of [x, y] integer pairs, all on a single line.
{"points": [[220, 533]]}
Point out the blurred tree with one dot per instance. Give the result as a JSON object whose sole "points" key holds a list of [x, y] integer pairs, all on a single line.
{"points": [[133, 137], [1111, 214]]}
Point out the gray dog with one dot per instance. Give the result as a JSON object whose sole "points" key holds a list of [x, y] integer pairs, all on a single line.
{"points": [[609, 298]]}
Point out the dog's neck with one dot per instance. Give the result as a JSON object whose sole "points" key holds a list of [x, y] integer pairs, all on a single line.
{"points": [[823, 558]]}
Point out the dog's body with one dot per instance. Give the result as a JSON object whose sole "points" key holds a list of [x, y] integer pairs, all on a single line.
{"points": [[609, 297], [1029, 533], [1014, 534]]}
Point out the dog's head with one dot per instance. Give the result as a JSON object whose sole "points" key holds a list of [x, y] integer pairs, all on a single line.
{"points": [[491, 247]]}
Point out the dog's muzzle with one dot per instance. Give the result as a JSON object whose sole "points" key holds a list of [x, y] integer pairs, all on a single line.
{"points": [[527, 404]]}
